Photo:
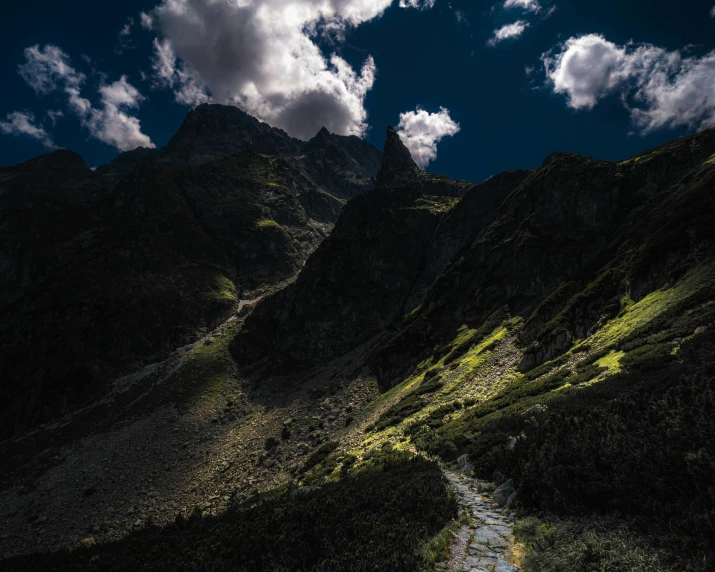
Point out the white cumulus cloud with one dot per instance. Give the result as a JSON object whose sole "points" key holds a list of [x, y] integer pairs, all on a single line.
{"points": [[508, 31], [660, 88], [262, 56], [420, 131], [528, 5], [49, 69], [712, 12], [110, 122], [23, 123]]}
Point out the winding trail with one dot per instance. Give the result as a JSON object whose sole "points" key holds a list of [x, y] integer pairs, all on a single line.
{"points": [[482, 546]]}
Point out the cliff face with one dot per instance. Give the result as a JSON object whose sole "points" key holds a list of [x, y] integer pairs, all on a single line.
{"points": [[344, 165], [531, 242], [386, 249]]}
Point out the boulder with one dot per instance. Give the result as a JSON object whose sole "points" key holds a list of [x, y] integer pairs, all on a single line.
{"points": [[503, 492]]}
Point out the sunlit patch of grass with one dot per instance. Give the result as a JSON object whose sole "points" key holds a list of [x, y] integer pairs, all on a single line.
{"points": [[611, 361], [639, 315], [222, 290], [209, 370], [269, 224]]}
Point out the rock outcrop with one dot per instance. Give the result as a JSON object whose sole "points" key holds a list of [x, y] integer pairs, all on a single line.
{"points": [[343, 166], [398, 168]]}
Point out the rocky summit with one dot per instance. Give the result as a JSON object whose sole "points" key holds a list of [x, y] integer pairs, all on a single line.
{"points": [[248, 352]]}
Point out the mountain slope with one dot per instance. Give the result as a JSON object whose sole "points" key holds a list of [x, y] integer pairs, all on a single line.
{"points": [[106, 271], [537, 232], [359, 281], [550, 331], [565, 348]]}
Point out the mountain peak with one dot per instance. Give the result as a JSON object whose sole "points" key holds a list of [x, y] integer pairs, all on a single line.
{"points": [[211, 131], [397, 167]]}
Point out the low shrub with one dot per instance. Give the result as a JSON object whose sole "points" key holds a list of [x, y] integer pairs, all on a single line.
{"points": [[375, 518]]}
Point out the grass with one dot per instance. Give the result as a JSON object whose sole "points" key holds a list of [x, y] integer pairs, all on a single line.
{"points": [[611, 362], [209, 370], [660, 308], [222, 290], [269, 224], [437, 549], [591, 544]]}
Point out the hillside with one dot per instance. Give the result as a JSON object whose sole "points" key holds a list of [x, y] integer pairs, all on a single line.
{"points": [[439, 375], [107, 270]]}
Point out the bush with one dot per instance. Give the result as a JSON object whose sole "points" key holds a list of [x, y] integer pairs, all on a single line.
{"points": [[375, 519], [319, 456]]}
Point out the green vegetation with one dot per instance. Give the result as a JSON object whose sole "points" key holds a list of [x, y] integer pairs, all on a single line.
{"points": [[641, 444], [222, 290], [435, 204], [269, 224], [209, 369], [319, 456], [620, 429], [594, 543], [437, 548], [379, 516], [405, 407]]}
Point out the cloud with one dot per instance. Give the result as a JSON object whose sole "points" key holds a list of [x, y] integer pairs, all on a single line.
{"points": [[110, 123], [55, 115], [509, 31], [420, 131], [45, 67], [712, 12], [262, 56], [48, 69], [23, 123], [146, 21], [528, 5], [167, 73], [660, 88], [419, 4], [124, 41], [127, 29], [586, 68]]}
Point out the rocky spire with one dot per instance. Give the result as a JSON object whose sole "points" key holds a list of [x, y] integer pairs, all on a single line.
{"points": [[397, 166]]}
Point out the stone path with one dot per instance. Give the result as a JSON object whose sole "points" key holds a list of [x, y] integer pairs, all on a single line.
{"points": [[482, 546]]}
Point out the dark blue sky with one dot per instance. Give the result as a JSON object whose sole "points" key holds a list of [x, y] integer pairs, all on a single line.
{"points": [[423, 57]]}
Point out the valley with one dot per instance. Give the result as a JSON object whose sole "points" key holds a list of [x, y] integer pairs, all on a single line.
{"points": [[253, 366]]}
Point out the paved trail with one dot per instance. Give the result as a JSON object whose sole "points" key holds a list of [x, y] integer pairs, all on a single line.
{"points": [[483, 546]]}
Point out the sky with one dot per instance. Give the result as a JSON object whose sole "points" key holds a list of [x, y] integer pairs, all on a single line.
{"points": [[473, 87]]}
